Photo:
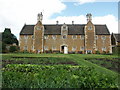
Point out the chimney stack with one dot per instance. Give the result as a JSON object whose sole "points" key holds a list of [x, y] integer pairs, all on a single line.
{"points": [[89, 17], [72, 22], [57, 22]]}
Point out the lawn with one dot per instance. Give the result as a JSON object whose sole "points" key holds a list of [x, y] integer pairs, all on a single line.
{"points": [[60, 71]]}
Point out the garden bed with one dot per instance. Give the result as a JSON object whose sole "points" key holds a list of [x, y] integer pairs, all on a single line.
{"points": [[38, 61], [109, 63]]}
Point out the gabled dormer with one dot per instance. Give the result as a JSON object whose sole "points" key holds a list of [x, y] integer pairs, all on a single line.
{"points": [[39, 25], [64, 29]]}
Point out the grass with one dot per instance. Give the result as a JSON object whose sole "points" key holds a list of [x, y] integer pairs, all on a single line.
{"points": [[60, 59]]}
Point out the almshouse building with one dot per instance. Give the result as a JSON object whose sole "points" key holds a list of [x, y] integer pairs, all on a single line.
{"points": [[65, 38]]}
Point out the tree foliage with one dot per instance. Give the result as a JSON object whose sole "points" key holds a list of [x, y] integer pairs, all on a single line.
{"points": [[8, 37]]}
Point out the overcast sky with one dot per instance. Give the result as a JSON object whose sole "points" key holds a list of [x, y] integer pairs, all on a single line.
{"points": [[15, 13]]}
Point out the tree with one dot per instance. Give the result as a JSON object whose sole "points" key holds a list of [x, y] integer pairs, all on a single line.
{"points": [[8, 37]]}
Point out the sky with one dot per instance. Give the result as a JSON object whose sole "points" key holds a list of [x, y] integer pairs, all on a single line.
{"points": [[15, 13]]}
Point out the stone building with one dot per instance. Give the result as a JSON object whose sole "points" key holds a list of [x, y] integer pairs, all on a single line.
{"points": [[65, 38], [115, 39]]}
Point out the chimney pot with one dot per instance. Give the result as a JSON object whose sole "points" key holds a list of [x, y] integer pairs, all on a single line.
{"points": [[72, 22], [57, 22]]}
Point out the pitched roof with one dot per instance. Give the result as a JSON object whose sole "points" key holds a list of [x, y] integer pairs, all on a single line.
{"points": [[117, 37], [76, 29]]}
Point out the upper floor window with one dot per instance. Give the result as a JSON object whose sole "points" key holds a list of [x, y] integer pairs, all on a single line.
{"points": [[74, 36], [46, 37], [89, 27], [25, 37], [64, 36], [46, 47], [103, 37], [96, 37], [64, 29], [82, 37], [54, 37], [32, 36]]}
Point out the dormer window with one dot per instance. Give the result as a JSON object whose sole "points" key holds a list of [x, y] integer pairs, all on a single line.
{"points": [[89, 27], [64, 29]]}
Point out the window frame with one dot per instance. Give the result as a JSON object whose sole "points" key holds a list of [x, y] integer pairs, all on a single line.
{"points": [[74, 37]]}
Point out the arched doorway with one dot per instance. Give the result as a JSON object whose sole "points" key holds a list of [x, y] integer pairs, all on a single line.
{"points": [[64, 49]]}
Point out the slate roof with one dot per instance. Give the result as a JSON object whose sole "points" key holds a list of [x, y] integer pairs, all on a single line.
{"points": [[117, 37], [76, 29]]}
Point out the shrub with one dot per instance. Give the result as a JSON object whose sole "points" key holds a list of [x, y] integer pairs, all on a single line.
{"points": [[97, 52], [13, 48], [80, 52], [104, 52]]}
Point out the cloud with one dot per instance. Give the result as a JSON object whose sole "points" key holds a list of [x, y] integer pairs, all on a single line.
{"points": [[110, 20], [14, 13], [83, 2]]}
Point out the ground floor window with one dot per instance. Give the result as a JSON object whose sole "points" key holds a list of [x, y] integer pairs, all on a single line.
{"points": [[74, 48], [103, 48], [25, 48], [81, 48], [53, 48], [46, 47], [89, 51]]}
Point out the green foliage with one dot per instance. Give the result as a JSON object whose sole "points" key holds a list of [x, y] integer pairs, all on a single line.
{"points": [[8, 37], [104, 52], [3, 47], [116, 50], [97, 52], [13, 48], [57, 76]]}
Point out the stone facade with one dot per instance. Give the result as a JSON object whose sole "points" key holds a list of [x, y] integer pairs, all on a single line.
{"points": [[65, 38]]}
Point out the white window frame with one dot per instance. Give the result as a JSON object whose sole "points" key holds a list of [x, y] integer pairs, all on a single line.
{"points": [[65, 36], [32, 36], [45, 47], [46, 36], [25, 37], [74, 48], [82, 48], [32, 47], [53, 47], [74, 37], [96, 37], [103, 37], [54, 37], [82, 37], [89, 27], [103, 48], [25, 48]]}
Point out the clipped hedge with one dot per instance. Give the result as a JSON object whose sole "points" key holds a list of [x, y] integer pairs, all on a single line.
{"points": [[57, 76]]}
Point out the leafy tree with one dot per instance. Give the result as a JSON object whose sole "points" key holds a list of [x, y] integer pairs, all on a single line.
{"points": [[8, 37]]}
